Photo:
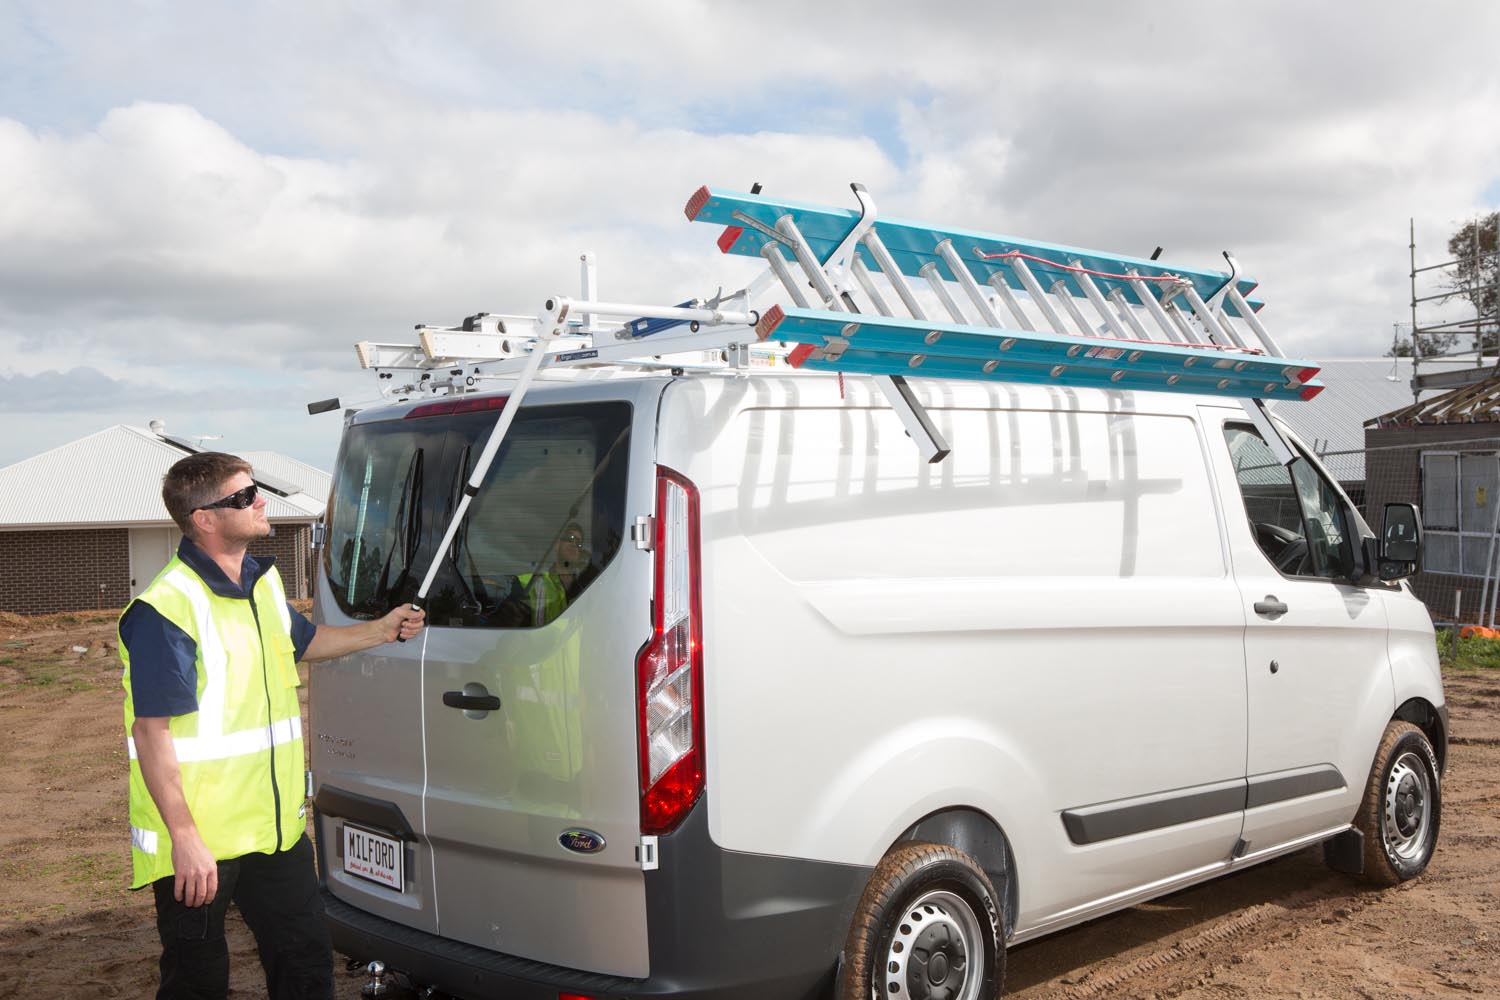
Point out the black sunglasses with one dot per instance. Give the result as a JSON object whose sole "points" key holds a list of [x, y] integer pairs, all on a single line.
{"points": [[238, 500]]}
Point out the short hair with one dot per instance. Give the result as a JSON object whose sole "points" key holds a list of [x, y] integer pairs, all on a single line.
{"points": [[195, 482]]}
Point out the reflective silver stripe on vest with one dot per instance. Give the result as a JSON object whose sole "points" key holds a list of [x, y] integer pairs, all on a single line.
{"points": [[191, 749], [210, 652], [143, 840]]}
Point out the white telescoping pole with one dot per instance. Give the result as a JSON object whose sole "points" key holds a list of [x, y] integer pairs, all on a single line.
{"points": [[551, 324]]}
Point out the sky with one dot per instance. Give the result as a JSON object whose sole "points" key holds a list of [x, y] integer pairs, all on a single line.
{"points": [[204, 205]]}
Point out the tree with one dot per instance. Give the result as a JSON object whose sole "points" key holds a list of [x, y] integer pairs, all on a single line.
{"points": [[1476, 270], [1434, 345]]}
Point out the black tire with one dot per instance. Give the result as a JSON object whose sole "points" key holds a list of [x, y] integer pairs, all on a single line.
{"points": [[928, 927], [1402, 807]]}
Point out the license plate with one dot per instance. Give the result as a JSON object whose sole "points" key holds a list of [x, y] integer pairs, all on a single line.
{"points": [[373, 856]]}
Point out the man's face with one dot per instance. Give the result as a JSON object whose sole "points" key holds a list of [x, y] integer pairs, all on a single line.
{"points": [[570, 548], [241, 525]]}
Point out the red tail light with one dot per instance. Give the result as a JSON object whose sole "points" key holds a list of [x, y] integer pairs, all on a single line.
{"points": [[669, 669], [457, 404]]}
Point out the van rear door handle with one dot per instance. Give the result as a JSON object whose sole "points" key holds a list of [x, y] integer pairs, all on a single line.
{"points": [[472, 702], [1270, 607]]}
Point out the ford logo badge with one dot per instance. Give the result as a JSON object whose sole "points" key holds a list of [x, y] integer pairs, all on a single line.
{"points": [[582, 841]]}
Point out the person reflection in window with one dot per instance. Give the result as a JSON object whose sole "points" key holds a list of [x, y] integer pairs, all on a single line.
{"points": [[549, 592]]}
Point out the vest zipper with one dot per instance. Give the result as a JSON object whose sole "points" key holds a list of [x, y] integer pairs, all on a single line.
{"points": [[270, 722]]}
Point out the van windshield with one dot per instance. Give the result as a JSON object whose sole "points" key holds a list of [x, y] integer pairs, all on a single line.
{"points": [[548, 518]]}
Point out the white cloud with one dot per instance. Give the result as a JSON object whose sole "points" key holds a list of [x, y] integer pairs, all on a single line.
{"points": [[222, 195]]}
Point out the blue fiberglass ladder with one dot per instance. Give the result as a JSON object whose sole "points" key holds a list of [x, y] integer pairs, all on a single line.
{"points": [[1139, 337], [1071, 318]]}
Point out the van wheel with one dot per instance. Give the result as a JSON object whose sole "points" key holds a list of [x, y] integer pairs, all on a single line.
{"points": [[1402, 808], [928, 927]]}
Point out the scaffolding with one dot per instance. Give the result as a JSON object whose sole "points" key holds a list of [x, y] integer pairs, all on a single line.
{"points": [[1460, 361]]}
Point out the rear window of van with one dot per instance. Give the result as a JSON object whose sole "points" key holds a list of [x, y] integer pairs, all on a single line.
{"points": [[548, 518]]}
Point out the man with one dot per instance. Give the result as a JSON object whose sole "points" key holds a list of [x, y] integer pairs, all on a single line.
{"points": [[547, 593], [214, 727]]}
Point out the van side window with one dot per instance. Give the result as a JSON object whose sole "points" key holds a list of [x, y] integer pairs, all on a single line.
{"points": [[1298, 519]]}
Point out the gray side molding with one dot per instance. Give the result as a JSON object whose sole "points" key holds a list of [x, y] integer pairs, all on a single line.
{"points": [[1123, 817]]}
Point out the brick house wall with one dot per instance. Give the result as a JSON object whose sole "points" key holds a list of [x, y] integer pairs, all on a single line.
{"points": [[292, 547], [46, 571], [88, 569]]}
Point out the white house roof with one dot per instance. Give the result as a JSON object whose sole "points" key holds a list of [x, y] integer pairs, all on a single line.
{"points": [[113, 478], [311, 481]]}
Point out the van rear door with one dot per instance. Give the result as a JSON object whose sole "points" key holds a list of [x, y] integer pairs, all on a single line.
{"points": [[366, 752], [522, 699]]}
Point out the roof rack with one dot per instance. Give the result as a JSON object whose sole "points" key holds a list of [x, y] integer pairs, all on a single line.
{"points": [[1011, 310]]}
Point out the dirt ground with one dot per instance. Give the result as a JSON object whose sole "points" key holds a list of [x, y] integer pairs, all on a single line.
{"points": [[1291, 928]]}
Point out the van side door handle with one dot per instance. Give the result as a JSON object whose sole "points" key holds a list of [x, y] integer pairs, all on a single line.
{"points": [[472, 702], [1270, 607]]}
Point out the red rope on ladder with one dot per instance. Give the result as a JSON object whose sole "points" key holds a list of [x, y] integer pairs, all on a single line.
{"points": [[1053, 265]]}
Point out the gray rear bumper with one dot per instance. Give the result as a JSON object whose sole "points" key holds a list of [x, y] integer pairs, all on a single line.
{"points": [[721, 926]]}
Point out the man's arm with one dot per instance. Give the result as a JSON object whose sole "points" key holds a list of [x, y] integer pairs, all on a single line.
{"points": [[197, 873], [340, 640]]}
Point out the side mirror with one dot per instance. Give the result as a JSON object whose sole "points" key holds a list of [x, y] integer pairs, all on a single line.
{"points": [[1400, 541]]}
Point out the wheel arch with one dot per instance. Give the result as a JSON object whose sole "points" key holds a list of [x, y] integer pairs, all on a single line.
{"points": [[981, 838], [1432, 721]]}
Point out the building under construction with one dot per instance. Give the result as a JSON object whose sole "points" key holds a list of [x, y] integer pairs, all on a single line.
{"points": [[1443, 452]]}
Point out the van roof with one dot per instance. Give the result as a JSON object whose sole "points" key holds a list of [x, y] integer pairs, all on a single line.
{"points": [[817, 389]]}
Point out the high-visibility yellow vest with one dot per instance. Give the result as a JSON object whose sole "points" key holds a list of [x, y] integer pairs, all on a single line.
{"points": [[548, 596], [543, 703], [240, 754]]}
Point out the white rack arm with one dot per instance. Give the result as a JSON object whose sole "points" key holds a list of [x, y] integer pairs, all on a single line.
{"points": [[625, 310]]}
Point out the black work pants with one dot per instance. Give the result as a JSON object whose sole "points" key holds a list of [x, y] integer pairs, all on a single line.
{"points": [[278, 896]]}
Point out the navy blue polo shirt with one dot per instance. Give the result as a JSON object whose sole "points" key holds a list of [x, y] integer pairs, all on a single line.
{"points": [[164, 658]]}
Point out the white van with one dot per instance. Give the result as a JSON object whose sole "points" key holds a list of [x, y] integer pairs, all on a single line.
{"points": [[728, 694]]}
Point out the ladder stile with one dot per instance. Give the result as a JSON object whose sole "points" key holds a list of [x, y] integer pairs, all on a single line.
{"points": [[1092, 293], [968, 284], [940, 289], [1063, 294], [867, 282], [1153, 306], [1008, 296], [892, 272], [779, 266], [1034, 289], [1253, 321]]}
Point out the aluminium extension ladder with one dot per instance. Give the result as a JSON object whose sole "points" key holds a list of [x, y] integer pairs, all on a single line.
{"points": [[1012, 311]]}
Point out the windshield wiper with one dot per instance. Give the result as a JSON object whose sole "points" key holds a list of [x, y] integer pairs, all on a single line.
{"points": [[407, 512]]}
